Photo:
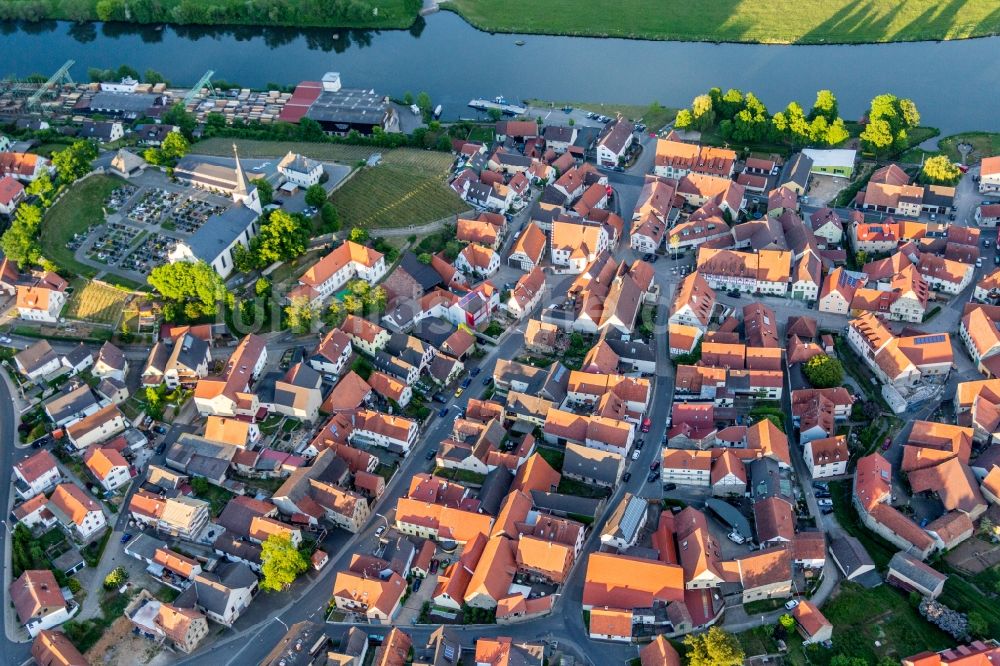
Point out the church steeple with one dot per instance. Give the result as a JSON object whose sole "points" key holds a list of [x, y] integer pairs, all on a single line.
{"points": [[245, 193], [241, 179]]}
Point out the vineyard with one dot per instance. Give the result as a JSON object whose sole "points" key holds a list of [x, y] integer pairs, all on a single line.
{"points": [[393, 196], [95, 302]]}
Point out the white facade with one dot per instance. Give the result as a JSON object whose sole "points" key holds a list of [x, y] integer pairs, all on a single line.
{"points": [[49, 313], [300, 171]]}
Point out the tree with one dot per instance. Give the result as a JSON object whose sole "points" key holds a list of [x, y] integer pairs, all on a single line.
{"points": [[985, 528], [262, 287], [265, 190], [335, 314], [787, 621], [174, 147], [836, 133], [42, 188], [702, 112], [301, 314], [407, 98], [19, 243], [353, 304], [282, 237], [714, 648], [684, 119], [330, 218], [75, 161], [825, 106], [281, 563], [315, 196], [359, 235], [823, 372], [178, 115], [425, 258], [451, 250], [424, 103], [731, 103], [153, 77], [941, 170], [375, 300], [877, 136], [194, 287]]}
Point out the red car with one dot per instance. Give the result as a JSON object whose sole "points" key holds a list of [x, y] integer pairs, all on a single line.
{"points": [[886, 444], [646, 423]]}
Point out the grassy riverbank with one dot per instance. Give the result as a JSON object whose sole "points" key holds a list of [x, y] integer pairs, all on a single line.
{"points": [[653, 115], [295, 13], [984, 144], [777, 21]]}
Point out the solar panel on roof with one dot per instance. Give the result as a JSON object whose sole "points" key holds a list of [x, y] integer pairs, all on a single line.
{"points": [[929, 339]]}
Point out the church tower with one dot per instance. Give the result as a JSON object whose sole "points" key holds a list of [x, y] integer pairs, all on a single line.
{"points": [[245, 194]]}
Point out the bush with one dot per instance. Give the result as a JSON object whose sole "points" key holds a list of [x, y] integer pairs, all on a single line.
{"points": [[116, 578]]}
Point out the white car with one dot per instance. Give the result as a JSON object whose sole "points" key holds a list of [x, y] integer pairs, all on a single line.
{"points": [[791, 603], [824, 503], [379, 530], [736, 537], [635, 454]]}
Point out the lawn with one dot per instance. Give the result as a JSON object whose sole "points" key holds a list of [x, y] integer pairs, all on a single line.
{"points": [[861, 617], [553, 457], [80, 208], [393, 196], [96, 302], [984, 144], [427, 161], [581, 489], [779, 21], [960, 595]]}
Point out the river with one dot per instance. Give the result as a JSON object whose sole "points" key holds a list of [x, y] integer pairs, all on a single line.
{"points": [[953, 83]]}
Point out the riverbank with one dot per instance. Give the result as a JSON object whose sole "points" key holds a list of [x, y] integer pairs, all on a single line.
{"points": [[653, 115], [380, 14], [774, 22]]}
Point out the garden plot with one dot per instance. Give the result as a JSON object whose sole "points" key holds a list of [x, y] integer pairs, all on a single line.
{"points": [[154, 206], [111, 243], [96, 302], [149, 254]]}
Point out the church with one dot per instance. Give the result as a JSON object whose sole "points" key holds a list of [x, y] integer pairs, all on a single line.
{"points": [[215, 241]]}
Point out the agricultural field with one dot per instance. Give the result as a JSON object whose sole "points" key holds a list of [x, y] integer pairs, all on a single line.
{"points": [[77, 211], [95, 302], [775, 22], [393, 196]]}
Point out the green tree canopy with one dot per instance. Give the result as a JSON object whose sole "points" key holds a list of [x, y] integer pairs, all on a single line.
{"points": [[715, 647], [194, 287], [330, 218], [19, 242], [282, 237], [281, 563], [75, 161], [359, 235], [941, 170], [787, 621], [844, 660], [702, 112], [684, 119], [178, 115], [315, 196], [823, 371], [301, 314], [889, 119], [825, 106]]}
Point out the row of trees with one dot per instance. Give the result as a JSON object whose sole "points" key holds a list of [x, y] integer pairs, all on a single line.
{"points": [[20, 242], [890, 119], [743, 118], [97, 75]]}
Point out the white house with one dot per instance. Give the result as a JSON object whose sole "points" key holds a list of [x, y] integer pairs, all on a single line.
{"points": [[11, 194], [478, 260], [40, 302], [108, 467], [388, 431], [35, 474], [299, 170], [332, 353], [96, 428], [826, 457], [989, 175], [614, 142], [39, 602], [347, 262], [77, 511]]}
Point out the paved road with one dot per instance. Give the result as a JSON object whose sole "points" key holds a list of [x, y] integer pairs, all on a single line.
{"points": [[10, 652]]}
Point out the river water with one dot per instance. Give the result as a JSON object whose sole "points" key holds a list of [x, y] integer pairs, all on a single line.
{"points": [[954, 84]]}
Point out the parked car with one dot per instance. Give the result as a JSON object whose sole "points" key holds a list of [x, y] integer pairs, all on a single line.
{"points": [[670, 486], [160, 448], [437, 397], [825, 503], [653, 476], [126, 537], [487, 381], [465, 382], [430, 454], [886, 443], [443, 411], [475, 371], [639, 444], [380, 530], [791, 603], [416, 584], [635, 454], [736, 537], [434, 566], [458, 393], [827, 512], [646, 424], [655, 465]]}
